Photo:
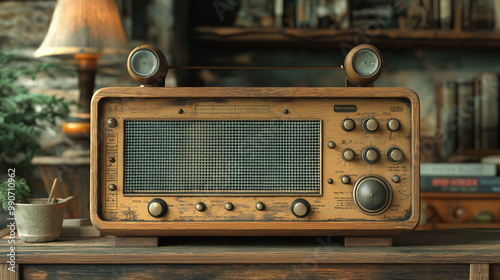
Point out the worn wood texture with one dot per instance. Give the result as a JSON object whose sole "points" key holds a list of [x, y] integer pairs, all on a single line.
{"points": [[495, 271], [250, 271], [452, 247], [333, 211], [362, 241], [479, 271], [6, 274], [136, 241]]}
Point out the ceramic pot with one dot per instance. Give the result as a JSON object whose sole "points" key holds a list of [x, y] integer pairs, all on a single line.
{"points": [[37, 221]]}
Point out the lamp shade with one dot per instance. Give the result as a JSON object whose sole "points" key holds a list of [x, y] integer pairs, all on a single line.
{"points": [[84, 27]]}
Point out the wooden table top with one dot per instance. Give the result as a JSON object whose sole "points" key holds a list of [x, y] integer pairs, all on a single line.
{"points": [[447, 246]]}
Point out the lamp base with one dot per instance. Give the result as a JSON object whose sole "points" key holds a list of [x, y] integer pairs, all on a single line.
{"points": [[77, 128]]}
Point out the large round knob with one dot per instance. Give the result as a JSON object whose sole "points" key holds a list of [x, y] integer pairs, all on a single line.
{"points": [[370, 125], [370, 155], [395, 155], [300, 208], [157, 207], [372, 195]]}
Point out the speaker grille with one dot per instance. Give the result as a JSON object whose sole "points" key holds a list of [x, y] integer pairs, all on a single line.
{"points": [[196, 157]]}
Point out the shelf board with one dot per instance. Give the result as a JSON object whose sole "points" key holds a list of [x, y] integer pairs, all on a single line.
{"points": [[453, 195], [322, 38]]}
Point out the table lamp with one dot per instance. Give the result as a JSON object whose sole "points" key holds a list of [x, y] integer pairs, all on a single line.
{"points": [[84, 29]]}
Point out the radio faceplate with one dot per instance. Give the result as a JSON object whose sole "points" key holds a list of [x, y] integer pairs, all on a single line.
{"points": [[255, 161]]}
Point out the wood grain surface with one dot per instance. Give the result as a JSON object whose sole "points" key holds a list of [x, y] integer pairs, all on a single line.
{"points": [[454, 246], [250, 271]]}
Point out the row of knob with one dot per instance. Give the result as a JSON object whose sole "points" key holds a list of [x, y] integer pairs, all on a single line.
{"points": [[371, 194], [158, 207], [370, 124], [371, 155]]}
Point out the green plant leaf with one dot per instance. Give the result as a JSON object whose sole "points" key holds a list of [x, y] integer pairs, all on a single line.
{"points": [[16, 191]]}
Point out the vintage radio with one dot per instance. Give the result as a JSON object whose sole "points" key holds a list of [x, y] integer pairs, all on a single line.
{"points": [[255, 161]]}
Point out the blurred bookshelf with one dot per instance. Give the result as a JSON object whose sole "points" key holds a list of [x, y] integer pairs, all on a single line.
{"points": [[327, 38], [458, 33]]}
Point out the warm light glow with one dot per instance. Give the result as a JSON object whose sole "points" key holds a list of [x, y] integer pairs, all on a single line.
{"points": [[85, 26]]}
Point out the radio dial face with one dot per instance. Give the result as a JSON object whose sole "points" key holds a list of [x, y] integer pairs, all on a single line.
{"points": [[144, 63], [363, 65], [366, 62], [147, 65]]}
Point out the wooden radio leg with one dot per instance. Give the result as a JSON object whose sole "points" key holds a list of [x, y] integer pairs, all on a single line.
{"points": [[133, 241], [358, 241]]}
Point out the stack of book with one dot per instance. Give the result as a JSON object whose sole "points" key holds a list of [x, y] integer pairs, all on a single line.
{"points": [[459, 177], [469, 114]]}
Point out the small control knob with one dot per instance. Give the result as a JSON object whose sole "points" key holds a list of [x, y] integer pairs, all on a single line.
{"points": [[300, 208], [157, 207], [393, 124], [395, 155], [370, 125], [348, 124], [229, 206], [345, 179], [348, 155], [331, 144], [372, 195], [200, 206], [260, 206], [370, 155]]}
